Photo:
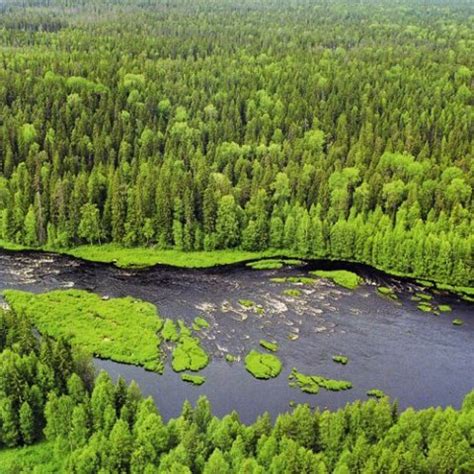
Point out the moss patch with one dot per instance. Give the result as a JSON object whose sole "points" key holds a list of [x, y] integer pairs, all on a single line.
{"points": [[425, 307], [458, 322], [344, 278], [387, 292], [247, 303], [293, 292], [194, 379], [270, 346], [170, 331], [444, 308], [423, 296], [188, 355], [376, 393], [122, 329], [200, 323], [340, 359], [312, 383], [262, 366]]}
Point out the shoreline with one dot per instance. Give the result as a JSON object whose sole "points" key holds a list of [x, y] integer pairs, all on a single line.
{"points": [[143, 258]]}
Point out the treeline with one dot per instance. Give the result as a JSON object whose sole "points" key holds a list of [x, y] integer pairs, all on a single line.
{"points": [[47, 391], [328, 128]]}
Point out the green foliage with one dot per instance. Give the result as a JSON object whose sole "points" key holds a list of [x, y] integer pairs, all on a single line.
{"points": [[273, 264], [262, 366], [343, 278], [293, 292], [200, 323], [387, 292], [340, 359], [194, 379], [270, 346], [121, 329], [39, 458], [145, 257], [170, 331], [444, 308], [247, 303], [458, 322], [96, 425], [376, 393], [425, 307], [312, 383], [188, 354], [263, 143]]}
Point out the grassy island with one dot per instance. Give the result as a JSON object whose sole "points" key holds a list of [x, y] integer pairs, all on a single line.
{"points": [[122, 329]]}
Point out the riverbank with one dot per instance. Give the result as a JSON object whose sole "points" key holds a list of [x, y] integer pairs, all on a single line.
{"points": [[145, 257]]}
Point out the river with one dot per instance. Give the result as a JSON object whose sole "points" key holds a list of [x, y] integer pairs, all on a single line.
{"points": [[416, 357]]}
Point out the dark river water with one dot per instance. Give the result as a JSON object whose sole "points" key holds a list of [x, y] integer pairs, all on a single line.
{"points": [[418, 358]]}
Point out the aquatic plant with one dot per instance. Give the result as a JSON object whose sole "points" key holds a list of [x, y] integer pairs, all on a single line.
{"points": [[344, 278], [312, 383], [424, 296], [200, 323], [271, 346], [293, 292], [458, 322], [340, 359], [376, 393], [262, 366], [388, 292], [194, 379], [170, 331], [188, 355], [247, 303], [444, 308], [425, 307]]}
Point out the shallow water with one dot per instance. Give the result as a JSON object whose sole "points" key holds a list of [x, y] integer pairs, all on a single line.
{"points": [[419, 358]]}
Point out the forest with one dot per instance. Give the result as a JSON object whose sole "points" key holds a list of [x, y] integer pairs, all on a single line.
{"points": [[328, 129], [313, 129], [71, 422]]}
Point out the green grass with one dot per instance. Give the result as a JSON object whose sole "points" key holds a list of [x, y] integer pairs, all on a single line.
{"points": [[344, 278], [270, 346], [312, 383], [149, 256], [340, 359], [376, 393], [122, 329], [273, 264], [458, 322], [194, 379], [293, 292], [38, 458], [262, 366]]}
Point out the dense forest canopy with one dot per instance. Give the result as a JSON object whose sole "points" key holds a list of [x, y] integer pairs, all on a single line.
{"points": [[330, 128]]}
